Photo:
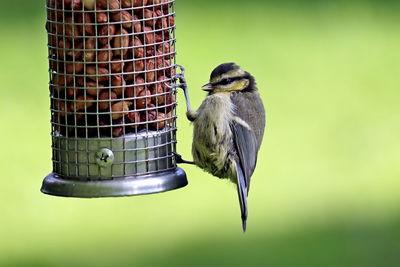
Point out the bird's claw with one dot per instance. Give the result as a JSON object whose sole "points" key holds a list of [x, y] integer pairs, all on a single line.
{"points": [[181, 77], [181, 68]]}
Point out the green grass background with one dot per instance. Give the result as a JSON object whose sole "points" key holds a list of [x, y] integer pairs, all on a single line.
{"points": [[326, 191]]}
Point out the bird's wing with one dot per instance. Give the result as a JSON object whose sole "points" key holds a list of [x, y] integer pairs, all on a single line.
{"points": [[250, 108], [245, 143], [248, 130], [242, 194]]}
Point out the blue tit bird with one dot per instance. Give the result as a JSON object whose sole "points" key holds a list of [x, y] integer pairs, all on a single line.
{"points": [[229, 128]]}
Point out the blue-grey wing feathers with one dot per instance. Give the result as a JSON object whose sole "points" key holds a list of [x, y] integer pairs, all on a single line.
{"points": [[246, 149], [242, 194], [247, 140]]}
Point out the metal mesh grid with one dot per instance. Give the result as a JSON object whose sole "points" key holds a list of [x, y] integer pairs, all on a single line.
{"points": [[112, 64]]}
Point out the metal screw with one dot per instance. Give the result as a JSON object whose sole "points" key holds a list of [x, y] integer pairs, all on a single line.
{"points": [[104, 157]]}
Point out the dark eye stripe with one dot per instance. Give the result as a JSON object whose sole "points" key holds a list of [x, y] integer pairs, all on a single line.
{"points": [[228, 80], [225, 82]]}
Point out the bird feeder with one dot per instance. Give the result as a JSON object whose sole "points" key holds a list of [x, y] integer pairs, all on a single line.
{"points": [[112, 84]]}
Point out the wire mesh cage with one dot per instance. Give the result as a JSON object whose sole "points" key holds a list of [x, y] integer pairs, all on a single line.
{"points": [[112, 66]]}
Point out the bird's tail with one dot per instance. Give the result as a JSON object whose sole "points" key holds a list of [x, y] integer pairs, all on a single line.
{"points": [[242, 193]]}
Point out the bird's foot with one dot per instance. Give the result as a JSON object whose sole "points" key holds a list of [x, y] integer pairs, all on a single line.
{"points": [[179, 81], [182, 82], [180, 160], [181, 77]]}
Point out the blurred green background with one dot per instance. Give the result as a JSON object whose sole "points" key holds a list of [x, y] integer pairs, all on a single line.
{"points": [[327, 188]]}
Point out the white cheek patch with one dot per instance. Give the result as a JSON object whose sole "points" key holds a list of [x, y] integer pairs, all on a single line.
{"points": [[238, 85], [242, 84]]}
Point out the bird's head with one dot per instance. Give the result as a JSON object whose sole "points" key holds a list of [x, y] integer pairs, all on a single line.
{"points": [[229, 77]]}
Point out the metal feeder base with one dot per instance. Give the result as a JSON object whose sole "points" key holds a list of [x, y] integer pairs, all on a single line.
{"points": [[129, 186]]}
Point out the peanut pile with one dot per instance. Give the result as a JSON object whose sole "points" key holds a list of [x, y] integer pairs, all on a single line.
{"points": [[111, 65]]}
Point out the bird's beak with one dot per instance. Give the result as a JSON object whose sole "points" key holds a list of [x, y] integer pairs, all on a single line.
{"points": [[207, 87]]}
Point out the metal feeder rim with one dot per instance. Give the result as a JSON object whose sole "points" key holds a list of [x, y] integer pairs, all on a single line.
{"points": [[141, 134], [119, 187]]}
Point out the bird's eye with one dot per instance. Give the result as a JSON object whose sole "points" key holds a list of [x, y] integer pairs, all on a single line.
{"points": [[226, 81]]}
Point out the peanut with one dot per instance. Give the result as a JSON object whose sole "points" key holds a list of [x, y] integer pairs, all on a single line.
{"points": [[62, 48], [170, 116], [76, 68], [72, 92], [165, 48], [150, 51], [119, 109], [158, 96], [134, 117], [159, 3], [117, 65], [51, 3], [122, 42], [133, 3], [148, 16], [170, 98], [118, 131], [92, 88], [107, 30], [159, 123], [134, 90], [144, 98], [159, 38], [139, 82], [104, 55], [62, 80], [137, 26], [132, 68], [105, 95], [162, 23], [80, 81], [139, 49], [150, 114], [77, 53], [100, 74], [61, 108], [86, 20], [82, 103], [170, 102], [150, 75], [89, 4], [167, 69], [171, 21], [123, 16], [90, 53], [118, 84], [101, 17], [72, 4], [71, 29], [159, 91], [76, 4], [149, 35], [159, 60], [108, 4]]}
